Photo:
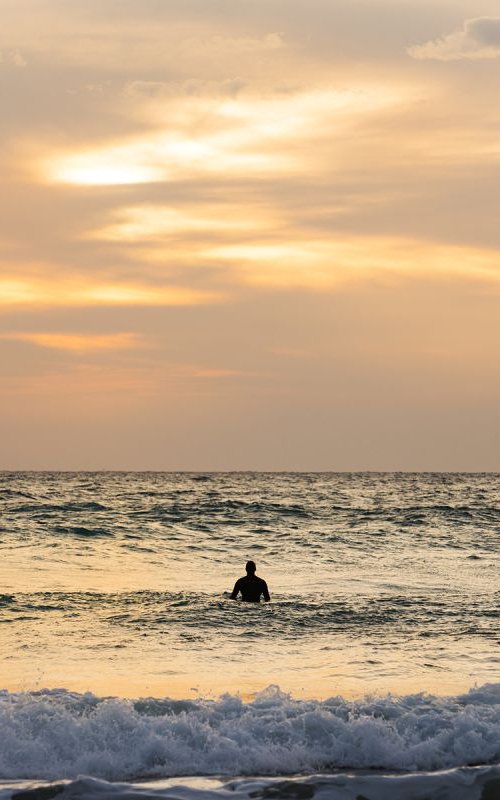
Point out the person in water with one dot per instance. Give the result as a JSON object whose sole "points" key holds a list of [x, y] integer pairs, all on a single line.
{"points": [[251, 587]]}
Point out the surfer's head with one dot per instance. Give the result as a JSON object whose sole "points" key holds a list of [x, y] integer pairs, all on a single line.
{"points": [[250, 567]]}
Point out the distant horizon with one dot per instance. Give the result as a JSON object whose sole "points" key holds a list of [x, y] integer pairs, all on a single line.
{"points": [[261, 471]]}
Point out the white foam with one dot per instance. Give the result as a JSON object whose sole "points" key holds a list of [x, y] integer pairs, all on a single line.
{"points": [[57, 734]]}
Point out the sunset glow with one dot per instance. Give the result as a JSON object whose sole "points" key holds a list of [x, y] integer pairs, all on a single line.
{"points": [[240, 135], [76, 343], [301, 208], [84, 294], [249, 399]]}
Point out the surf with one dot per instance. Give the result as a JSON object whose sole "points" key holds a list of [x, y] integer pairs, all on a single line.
{"points": [[53, 734]]}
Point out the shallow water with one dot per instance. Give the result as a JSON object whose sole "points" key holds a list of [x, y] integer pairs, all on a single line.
{"points": [[115, 582]]}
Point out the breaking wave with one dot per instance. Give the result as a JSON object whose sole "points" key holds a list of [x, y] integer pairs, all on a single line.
{"points": [[55, 734]]}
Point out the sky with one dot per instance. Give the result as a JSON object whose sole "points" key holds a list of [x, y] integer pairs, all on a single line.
{"points": [[250, 234]]}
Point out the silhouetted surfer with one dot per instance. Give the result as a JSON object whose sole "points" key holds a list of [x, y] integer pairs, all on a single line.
{"points": [[251, 587]]}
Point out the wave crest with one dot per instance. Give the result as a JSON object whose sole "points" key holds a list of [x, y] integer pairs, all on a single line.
{"points": [[54, 734]]}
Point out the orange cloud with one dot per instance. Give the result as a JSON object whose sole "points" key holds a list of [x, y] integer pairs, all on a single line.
{"points": [[324, 263], [77, 342], [154, 222], [223, 136], [82, 293]]}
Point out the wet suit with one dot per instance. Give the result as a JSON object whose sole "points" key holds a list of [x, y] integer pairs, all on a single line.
{"points": [[251, 588]]}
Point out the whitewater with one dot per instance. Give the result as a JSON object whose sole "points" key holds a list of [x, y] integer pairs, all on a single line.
{"points": [[127, 671]]}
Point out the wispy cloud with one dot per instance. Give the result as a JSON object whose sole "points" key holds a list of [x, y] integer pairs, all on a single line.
{"points": [[77, 342], [231, 45], [207, 137], [151, 222], [336, 261], [478, 39], [54, 293], [12, 58]]}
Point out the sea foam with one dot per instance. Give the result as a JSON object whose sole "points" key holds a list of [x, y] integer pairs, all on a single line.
{"points": [[55, 734]]}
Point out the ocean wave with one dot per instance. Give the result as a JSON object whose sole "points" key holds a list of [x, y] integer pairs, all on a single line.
{"points": [[43, 507], [6, 599], [54, 734], [13, 493], [217, 508], [287, 617], [82, 531]]}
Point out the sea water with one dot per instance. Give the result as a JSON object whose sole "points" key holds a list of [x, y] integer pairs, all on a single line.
{"points": [[123, 658]]}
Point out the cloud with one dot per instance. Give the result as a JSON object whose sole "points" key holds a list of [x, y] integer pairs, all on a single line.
{"points": [[192, 87], [479, 39], [152, 222], [77, 342], [57, 293], [13, 58], [331, 262], [230, 45], [135, 48], [202, 137]]}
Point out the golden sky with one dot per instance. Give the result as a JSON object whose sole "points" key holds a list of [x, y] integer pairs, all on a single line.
{"points": [[250, 234]]}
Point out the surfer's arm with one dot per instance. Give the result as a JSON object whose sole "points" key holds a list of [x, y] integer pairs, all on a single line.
{"points": [[235, 591], [265, 592]]}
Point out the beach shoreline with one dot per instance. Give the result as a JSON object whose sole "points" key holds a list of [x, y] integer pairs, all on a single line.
{"points": [[475, 783]]}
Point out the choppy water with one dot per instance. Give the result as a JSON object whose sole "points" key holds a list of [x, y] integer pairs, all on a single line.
{"points": [[114, 583]]}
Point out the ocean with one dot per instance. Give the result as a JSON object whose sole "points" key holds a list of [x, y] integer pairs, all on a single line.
{"points": [[126, 670]]}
